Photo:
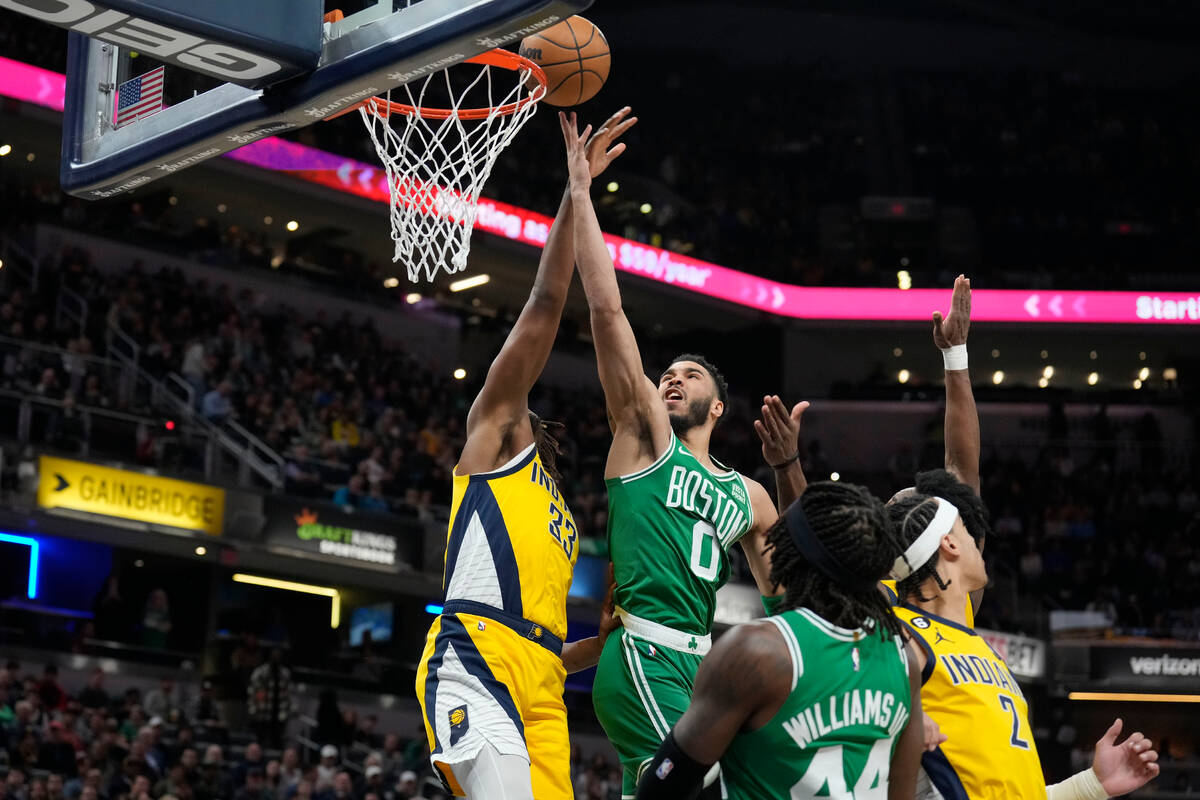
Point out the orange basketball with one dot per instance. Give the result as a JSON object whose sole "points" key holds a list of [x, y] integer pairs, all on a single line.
{"points": [[574, 55]]}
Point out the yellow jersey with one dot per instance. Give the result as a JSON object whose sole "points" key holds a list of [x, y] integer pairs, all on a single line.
{"points": [[512, 543], [890, 590], [971, 694]]}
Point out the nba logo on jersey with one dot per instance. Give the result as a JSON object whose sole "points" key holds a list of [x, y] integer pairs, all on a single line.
{"points": [[458, 724], [664, 769]]}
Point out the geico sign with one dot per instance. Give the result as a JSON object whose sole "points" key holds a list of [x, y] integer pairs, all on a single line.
{"points": [[168, 44]]}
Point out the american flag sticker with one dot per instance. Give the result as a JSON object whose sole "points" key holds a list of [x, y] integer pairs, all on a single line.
{"points": [[140, 97]]}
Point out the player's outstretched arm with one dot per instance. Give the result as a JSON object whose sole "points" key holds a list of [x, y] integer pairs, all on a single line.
{"points": [[779, 430], [1117, 769], [906, 758], [962, 418], [504, 398], [740, 685], [632, 398], [754, 543]]}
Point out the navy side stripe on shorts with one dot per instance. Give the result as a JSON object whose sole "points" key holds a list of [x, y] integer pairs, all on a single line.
{"points": [[453, 632]]}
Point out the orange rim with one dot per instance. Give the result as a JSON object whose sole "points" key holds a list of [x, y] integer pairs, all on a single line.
{"points": [[505, 59]]}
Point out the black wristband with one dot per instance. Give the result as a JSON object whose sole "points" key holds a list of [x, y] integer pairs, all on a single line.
{"points": [[672, 774], [783, 464]]}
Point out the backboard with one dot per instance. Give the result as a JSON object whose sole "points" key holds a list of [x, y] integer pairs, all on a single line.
{"points": [[363, 55]]}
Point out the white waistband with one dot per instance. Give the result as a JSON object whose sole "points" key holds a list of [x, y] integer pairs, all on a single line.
{"points": [[662, 635]]}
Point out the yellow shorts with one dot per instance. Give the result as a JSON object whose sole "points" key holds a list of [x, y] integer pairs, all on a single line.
{"points": [[480, 682]]}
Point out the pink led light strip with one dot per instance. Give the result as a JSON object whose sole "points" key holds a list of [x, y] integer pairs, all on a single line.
{"points": [[45, 88]]}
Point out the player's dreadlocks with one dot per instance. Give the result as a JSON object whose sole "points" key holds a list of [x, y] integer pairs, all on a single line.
{"points": [[975, 516], [853, 527], [718, 379], [910, 516], [547, 444]]}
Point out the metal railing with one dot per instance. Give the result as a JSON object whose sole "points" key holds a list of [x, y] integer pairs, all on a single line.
{"points": [[72, 307], [19, 263], [196, 444]]}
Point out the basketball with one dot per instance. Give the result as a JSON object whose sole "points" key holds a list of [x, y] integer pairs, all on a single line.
{"points": [[574, 55]]}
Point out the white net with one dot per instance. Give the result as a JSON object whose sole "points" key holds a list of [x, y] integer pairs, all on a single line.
{"points": [[438, 163]]}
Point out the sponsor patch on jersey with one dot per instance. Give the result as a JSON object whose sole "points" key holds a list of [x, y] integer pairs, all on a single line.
{"points": [[664, 769], [920, 622], [459, 724]]}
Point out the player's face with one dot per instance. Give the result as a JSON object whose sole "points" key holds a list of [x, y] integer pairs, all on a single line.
{"points": [[688, 392], [970, 564]]}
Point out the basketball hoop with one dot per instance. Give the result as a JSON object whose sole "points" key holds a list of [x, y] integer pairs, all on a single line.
{"points": [[438, 157]]}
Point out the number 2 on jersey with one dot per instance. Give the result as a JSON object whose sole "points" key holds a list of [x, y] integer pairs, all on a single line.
{"points": [[1010, 706]]}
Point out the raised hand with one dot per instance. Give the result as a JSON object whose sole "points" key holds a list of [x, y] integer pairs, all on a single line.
{"points": [[779, 429], [577, 162], [1124, 767], [600, 149], [953, 328]]}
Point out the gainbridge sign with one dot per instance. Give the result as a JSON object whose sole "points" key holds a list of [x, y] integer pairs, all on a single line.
{"points": [[93, 489]]}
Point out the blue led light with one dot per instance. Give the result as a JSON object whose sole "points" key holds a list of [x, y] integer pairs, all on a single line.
{"points": [[34, 550], [433, 608]]}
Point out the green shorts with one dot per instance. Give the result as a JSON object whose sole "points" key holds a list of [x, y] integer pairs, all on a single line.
{"points": [[640, 692]]}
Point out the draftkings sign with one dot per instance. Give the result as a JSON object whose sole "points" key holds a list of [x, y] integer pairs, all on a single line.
{"points": [[119, 493], [316, 529]]}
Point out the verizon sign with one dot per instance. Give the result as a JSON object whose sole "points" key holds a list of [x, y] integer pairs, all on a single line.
{"points": [[1148, 667]]}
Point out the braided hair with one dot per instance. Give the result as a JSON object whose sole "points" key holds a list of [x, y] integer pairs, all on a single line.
{"points": [[547, 444], [910, 515], [854, 527], [975, 516]]}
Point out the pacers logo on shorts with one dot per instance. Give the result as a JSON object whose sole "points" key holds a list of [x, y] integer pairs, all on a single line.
{"points": [[458, 724]]}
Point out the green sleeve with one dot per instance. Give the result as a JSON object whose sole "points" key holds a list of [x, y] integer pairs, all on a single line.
{"points": [[771, 604]]}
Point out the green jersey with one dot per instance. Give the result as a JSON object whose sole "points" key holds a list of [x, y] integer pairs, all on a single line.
{"points": [[670, 527], [834, 735]]}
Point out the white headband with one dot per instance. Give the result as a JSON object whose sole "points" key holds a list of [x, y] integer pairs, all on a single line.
{"points": [[927, 543]]}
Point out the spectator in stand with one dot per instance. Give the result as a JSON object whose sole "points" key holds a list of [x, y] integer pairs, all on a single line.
{"points": [[342, 789], [327, 769], [110, 612], [374, 501], [53, 696], [165, 701], [94, 695], [121, 782], [14, 784], [216, 405], [55, 786], [406, 785], [207, 711], [270, 699], [173, 782], [301, 478], [252, 759], [156, 621], [290, 771], [254, 786], [56, 754], [374, 781], [351, 495], [212, 783]]}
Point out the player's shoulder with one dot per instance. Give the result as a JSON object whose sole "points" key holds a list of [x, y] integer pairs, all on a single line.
{"points": [[753, 655]]}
